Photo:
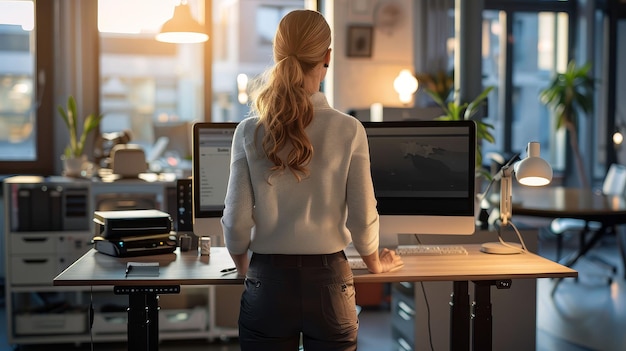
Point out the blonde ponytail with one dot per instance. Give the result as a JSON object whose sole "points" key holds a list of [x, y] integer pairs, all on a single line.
{"points": [[282, 104]]}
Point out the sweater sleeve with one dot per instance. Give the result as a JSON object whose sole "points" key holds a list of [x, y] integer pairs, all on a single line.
{"points": [[237, 221], [362, 214]]}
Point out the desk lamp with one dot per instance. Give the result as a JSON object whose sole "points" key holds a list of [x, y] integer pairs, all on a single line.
{"points": [[531, 171], [182, 27]]}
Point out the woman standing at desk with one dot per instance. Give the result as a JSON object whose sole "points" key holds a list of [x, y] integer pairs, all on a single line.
{"points": [[299, 192]]}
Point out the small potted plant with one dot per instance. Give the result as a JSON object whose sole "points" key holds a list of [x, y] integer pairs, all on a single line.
{"points": [[74, 157]]}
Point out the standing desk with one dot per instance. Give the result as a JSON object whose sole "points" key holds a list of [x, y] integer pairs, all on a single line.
{"points": [[177, 269]]}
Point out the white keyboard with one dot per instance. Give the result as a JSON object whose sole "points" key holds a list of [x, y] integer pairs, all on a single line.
{"points": [[356, 263], [430, 250]]}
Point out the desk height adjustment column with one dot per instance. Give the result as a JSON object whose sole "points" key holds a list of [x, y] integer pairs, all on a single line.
{"points": [[459, 317], [143, 314], [482, 323]]}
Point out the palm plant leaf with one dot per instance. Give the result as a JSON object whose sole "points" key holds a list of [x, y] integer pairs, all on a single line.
{"points": [[568, 94], [69, 115], [455, 112]]}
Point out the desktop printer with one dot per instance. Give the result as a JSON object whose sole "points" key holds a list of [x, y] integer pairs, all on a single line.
{"points": [[133, 233]]}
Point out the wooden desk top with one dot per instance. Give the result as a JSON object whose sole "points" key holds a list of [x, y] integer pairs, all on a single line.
{"points": [[188, 268], [476, 265], [553, 202]]}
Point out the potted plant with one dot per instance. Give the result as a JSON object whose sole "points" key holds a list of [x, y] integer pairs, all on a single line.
{"points": [[568, 94], [454, 111], [73, 156]]}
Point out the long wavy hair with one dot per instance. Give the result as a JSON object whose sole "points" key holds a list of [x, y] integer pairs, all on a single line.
{"points": [[281, 102]]}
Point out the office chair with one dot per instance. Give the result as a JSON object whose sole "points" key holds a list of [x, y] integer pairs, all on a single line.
{"points": [[614, 184]]}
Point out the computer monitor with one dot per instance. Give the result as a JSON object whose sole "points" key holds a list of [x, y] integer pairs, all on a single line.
{"points": [[424, 176], [423, 173], [212, 144]]}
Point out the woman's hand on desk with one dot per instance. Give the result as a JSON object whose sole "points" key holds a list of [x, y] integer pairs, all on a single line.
{"points": [[384, 261], [241, 263]]}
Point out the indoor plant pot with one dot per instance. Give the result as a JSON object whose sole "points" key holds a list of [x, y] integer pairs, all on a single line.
{"points": [[74, 157]]}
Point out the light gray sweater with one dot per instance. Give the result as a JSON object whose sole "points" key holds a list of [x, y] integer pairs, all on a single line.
{"points": [[323, 213]]}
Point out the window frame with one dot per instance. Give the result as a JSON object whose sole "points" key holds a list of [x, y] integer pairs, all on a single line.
{"points": [[44, 114]]}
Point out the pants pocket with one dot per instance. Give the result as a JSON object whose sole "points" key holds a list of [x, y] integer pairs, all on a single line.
{"points": [[339, 305]]}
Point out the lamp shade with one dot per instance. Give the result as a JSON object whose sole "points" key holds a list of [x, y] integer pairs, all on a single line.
{"points": [[533, 170], [182, 27]]}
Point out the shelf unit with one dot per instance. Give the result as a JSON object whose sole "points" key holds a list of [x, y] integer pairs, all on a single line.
{"points": [[48, 225]]}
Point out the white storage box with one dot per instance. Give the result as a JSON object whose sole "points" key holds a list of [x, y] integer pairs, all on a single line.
{"points": [[51, 323], [110, 322], [194, 319], [169, 320]]}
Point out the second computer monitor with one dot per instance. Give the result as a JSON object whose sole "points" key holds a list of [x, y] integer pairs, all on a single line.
{"points": [[424, 176], [212, 144]]}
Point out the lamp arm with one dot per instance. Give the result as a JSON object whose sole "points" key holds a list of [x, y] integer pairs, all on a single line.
{"points": [[496, 177], [506, 194]]}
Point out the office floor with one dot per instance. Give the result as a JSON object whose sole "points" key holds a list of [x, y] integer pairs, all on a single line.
{"points": [[583, 315], [587, 312]]}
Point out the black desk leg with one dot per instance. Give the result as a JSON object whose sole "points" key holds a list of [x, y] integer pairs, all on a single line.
{"points": [[482, 318], [143, 314], [459, 317], [143, 322]]}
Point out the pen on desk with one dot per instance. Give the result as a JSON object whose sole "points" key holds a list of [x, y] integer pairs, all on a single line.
{"points": [[228, 270], [128, 268]]}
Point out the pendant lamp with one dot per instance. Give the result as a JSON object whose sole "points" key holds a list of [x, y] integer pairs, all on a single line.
{"points": [[182, 27]]}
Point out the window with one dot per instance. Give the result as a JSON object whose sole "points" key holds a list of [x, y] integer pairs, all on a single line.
{"points": [[147, 87], [158, 89], [25, 139], [537, 43]]}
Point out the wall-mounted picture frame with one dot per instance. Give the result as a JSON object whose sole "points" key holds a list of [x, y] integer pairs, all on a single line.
{"points": [[360, 41]]}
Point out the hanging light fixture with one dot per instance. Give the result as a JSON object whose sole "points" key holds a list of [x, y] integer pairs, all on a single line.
{"points": [[405, 85], [182, 27]]}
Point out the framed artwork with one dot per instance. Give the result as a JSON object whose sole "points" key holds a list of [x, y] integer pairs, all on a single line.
{"points": [[360, 41]]}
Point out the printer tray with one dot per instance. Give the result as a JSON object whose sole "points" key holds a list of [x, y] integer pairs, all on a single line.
{"points": [[119, 224], [137, 245]]}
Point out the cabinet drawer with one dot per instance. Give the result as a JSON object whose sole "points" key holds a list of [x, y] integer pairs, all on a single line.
{"points": [[32, 244], [405, 288], [403, 316], [42, 324], [34, 269], [400, 342]]}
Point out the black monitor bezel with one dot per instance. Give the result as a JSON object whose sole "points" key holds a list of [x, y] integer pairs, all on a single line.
{"points": [[198, 212], [404, 206]]}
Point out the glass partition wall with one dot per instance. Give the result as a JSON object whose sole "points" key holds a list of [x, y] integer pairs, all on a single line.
{"points": [[521, 53]]}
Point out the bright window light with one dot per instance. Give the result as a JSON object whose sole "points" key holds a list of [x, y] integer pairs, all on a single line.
{"points": [[18, 13], [120, 16]]}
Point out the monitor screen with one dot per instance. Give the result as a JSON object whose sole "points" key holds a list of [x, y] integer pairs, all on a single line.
{"points": [[212, 144], [423, 174]]}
